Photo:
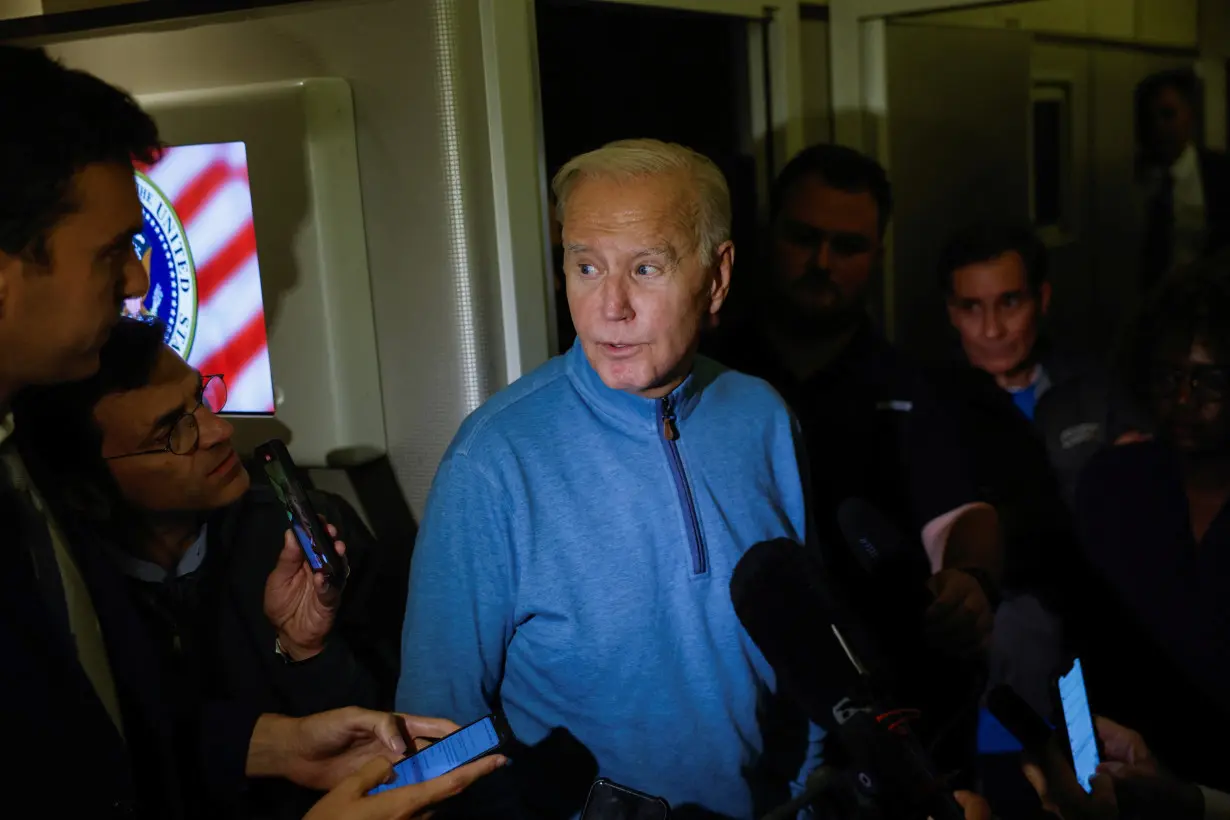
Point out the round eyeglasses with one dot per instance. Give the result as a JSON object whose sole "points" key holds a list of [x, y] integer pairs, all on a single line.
{"points": [[184, 433]]}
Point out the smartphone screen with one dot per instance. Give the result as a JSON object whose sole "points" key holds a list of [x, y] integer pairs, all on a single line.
{"points": [[610, 801], [1079, 719], [472, 742], [309, 530], [297, 517]]}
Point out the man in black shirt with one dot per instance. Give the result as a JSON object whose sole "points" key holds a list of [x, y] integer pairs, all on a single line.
{"points": [[873, 426], [144, 471]]}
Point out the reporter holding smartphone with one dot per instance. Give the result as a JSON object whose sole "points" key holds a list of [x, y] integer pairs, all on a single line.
{"points": [[1131, 783], [1154, 522], [144, 472]]}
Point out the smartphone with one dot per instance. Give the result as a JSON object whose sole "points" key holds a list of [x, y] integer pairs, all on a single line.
{"points": [[1078, 718], [611, 801], [310, 531], [481, 738]]}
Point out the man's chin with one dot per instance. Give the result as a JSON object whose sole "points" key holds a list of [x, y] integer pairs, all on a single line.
{"points": [[81, 367], [232, 490]]}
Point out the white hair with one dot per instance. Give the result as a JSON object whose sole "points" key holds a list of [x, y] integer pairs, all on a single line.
{"points": [[630, 159]]}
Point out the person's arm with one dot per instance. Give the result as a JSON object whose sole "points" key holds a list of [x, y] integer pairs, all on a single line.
{"points": [[357, 665], [1216, 804], [958, 527], [461, 599]]}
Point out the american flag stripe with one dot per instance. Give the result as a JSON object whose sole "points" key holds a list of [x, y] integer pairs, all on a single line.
{"points": [[190, 200], [209, 186], [239, 349], [226, 313], [238, 251]]}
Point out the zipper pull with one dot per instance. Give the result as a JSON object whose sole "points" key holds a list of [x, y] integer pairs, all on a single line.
{"points": [[669, 429]]}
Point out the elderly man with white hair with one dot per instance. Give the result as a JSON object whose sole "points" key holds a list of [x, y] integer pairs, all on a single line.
{"points": [[573, 567]]}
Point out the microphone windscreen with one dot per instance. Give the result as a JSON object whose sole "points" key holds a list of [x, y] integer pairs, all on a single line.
{"points": [[779, 597]]}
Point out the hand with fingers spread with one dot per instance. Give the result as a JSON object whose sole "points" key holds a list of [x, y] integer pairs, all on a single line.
{"points": [[298, 602], [349, 799], [960, 619]]}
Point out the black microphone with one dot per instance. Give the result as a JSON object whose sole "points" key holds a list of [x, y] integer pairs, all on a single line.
{"points": [[781, 596], [895, 567]]}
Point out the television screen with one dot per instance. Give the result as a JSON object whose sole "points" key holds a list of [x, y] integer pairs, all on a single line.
{"points": [[199, 249]]}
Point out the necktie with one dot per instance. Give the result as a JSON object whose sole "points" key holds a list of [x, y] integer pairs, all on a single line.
{"points": [[1159, 233]]}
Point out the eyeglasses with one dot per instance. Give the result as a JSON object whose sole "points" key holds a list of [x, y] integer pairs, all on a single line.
{"points": [[1204, 382], [185, 433]]}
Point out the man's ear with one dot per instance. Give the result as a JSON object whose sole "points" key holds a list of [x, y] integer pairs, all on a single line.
{"points": [[1044, 297], [719, 287]]}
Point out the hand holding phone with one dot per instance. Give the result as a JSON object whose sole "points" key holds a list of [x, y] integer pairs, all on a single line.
{"points": [[1078, 720], [353, 799], [481, 738], [309, 529], [300, 603]]}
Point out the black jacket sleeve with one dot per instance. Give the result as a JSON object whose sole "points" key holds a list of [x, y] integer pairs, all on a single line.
{"points": [[223, 733]]}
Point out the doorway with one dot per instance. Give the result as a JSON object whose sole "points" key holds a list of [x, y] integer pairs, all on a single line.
{"points": [[610, 71]]}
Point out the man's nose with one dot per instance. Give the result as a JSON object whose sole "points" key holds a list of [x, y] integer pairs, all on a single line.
{"points": [[135, 279], [616, 299], [822, 255], [992, 326], [214, 429], [1184, 395]]}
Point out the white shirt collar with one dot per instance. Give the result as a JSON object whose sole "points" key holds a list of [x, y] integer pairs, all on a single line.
{"points": [[6, 427], [143, 570], [1187, 165]]}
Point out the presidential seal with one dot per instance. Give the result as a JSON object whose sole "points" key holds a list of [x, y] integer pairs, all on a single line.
{"points": [[162, 247]]}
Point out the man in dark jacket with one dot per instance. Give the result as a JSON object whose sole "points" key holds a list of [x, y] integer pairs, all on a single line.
{"points": [[1186, 188], [84, 708], [68, 212], [1032, 418], [138, 459], [995, 280]]}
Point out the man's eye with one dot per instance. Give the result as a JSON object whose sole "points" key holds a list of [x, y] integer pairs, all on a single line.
{"points": [[586, 270], [802, 235], [850, 245], [647, 270]]}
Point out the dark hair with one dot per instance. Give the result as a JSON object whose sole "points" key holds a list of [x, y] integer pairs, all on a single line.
{"points": [[60, 442], [1192, 304], [57, 121], [984, 242], [840, 167], [1182, 80]]}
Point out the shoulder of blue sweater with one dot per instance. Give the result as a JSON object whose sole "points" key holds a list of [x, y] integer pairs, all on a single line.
{"points": [[484, 426], [748, 392]]}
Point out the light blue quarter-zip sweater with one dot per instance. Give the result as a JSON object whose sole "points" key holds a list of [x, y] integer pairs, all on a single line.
{"points": [[573, 570]]}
